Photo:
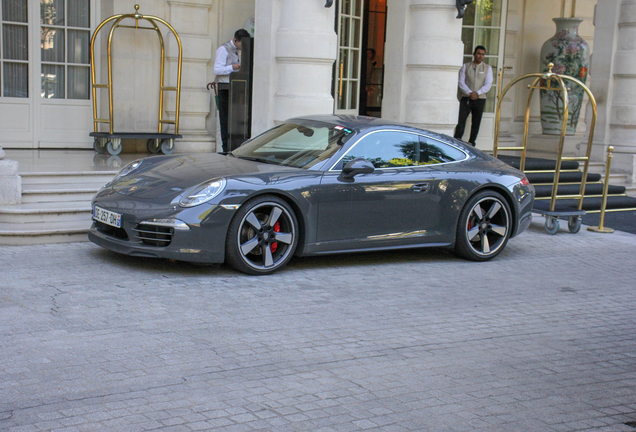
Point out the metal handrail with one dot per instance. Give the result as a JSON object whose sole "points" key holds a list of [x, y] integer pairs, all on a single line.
{"points": [[162, 87], [560, 79]]}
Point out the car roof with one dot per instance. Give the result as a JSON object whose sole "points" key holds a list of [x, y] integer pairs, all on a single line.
{"points": [[350, 121], [360, 123]]}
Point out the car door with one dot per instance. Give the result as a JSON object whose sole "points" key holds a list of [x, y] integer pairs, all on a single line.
{"points": [[449, 187], [381, 208]]}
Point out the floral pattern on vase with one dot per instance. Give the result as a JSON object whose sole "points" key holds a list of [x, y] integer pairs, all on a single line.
{"points": [[570, 55]]}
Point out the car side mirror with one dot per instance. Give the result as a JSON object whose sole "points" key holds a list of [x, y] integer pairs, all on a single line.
{"points": [[355, 167]]}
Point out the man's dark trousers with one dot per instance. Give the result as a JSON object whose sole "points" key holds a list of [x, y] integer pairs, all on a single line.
{"points": [[224, 105], [474, 107]]}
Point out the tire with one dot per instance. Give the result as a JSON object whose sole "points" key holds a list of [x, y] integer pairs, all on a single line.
{"points": [[551, 225], [97, 147], [112, 150], [167, 146], [262, 236], [574, 224], [153, 146], [484, 227]]}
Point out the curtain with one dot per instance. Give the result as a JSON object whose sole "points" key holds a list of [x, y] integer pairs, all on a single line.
{"points": [[53, 80], [15, 11], [78, 82], [78, 13], [16, 80]]}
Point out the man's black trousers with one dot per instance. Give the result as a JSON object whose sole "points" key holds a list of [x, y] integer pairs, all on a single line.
{"points": [[474, 107]]}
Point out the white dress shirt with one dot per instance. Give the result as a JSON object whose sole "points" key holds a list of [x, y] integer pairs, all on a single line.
{"points": [[221, 69]]}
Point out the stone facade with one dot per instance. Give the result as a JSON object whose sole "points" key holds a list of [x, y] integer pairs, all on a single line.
{"points": [[296, 46], [10, 181]]}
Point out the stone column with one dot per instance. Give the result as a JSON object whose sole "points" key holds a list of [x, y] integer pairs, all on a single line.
{"points": [[190, 18], [423, 57], [623, 110], [613, 72], [10, 181], [295, 51]]}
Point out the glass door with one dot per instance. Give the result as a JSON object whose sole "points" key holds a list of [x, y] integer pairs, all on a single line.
{"points": [[374, 38], [16, 95], [347, 91], [45, 73], [64, 73], [485, 24]]}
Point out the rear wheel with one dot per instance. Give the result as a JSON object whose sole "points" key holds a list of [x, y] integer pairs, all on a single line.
{"points": [[484, 227], [262, 237]]}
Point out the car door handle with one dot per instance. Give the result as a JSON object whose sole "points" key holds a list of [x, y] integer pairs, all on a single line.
{"points": [[421, 187]]}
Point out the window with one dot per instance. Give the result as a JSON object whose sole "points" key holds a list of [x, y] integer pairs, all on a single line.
{"points": [[64, 46], [434, 152], [400, 149], [14, 51], [296, 145]]}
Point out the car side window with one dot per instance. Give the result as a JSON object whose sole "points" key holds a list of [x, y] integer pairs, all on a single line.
{"points": [[390, 149], [432, 152]]}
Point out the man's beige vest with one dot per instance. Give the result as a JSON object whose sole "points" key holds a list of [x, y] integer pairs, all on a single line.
{"points": [[476, 76]]}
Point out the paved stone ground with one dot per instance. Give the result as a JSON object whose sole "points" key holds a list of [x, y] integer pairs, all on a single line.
{"points": [[541, 339]]}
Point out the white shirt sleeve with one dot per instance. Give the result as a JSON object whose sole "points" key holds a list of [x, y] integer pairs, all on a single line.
{"points": [[462, 81], [487, 83], [220, 68]]}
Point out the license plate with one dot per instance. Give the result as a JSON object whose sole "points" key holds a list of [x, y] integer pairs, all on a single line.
{"points": [[107, 217]]}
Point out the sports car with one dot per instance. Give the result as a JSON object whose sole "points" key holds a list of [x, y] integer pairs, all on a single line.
{"points": [[315, 185]]}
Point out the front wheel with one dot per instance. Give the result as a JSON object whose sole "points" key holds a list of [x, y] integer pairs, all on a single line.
{"points": [[484, 227], [262, 237]]}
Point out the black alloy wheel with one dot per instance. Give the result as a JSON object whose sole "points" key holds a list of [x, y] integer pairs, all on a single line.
{"points": [[484, 227], [262, 237]]}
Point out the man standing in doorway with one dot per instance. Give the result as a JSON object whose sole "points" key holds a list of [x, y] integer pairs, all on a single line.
{"points": [[228, 60], [475, 80]]}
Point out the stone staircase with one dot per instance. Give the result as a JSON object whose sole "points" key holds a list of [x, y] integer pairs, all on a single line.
{"points": [[56, 208]]}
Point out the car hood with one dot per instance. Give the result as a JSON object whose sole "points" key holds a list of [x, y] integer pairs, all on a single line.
{"points": [[170, 176]]}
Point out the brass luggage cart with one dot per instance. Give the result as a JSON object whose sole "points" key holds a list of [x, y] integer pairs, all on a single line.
{"points": [[552, 211], [157, 141]]}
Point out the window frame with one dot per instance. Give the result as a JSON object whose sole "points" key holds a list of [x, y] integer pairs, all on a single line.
{"points": [[410, 167], [66, 64], [4, 60]]}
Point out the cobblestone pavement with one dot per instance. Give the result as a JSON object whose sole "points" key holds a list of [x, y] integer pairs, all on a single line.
{"points": [[541, 339]]}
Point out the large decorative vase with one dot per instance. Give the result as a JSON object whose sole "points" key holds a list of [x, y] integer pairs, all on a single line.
{"points": [[571, 56]]}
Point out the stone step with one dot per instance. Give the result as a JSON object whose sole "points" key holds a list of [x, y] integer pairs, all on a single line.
{"points": [[43, 196], [51, 178], [46, 212], [14, 234]]}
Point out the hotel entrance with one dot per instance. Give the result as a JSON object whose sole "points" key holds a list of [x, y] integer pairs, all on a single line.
{"points": [[359, 71]]}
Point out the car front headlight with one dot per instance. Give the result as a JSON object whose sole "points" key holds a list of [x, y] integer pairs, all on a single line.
{"points": [[202, 193], [126, 170]]}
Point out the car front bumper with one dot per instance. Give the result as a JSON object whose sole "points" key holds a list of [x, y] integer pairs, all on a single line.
{"points": [[203, 240]]}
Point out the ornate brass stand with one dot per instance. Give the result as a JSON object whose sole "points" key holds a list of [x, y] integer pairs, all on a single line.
{"points": [[111, 141], [543, 81]]}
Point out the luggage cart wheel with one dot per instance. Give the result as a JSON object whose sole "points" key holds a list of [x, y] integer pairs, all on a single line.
{"points": [[167, 146], [551, 225], [99, 146], [113, 148], [153, 146], [574, 224]]}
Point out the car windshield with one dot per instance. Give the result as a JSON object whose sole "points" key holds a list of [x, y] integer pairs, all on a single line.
{"points": [[294, 145]]}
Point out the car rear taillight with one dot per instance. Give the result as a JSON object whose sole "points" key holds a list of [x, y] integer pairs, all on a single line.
{"points": [[525, 181]]}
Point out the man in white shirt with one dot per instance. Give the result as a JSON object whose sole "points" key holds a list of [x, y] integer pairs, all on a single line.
{"points": [[475, 80], [228, 60]]}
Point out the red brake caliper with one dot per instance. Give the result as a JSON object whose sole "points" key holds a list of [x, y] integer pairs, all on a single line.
{"points": [[274, 245]]}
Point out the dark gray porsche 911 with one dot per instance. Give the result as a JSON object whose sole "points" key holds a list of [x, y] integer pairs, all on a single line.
{"points": [[315, 185]]}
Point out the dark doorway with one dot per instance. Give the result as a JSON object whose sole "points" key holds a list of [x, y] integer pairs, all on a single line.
{"points": [[373, 39]]}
